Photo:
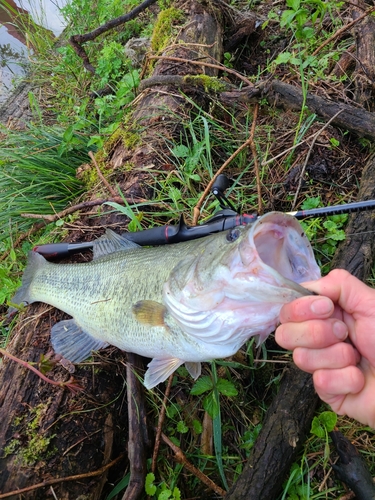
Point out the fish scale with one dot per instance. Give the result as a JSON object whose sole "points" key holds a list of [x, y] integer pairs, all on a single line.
{"points": [[183, 303]]}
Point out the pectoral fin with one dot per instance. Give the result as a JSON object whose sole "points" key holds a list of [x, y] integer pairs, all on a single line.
{"points": [[159, 370], [74, 344], [149, 312]]}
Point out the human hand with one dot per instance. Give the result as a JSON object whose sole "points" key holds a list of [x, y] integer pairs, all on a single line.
{"points": [[332, 336]]}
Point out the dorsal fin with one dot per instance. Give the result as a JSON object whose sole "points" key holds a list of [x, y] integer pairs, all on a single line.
{"points": [[111, 242]]}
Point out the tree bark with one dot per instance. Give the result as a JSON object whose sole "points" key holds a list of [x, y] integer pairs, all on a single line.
{"points": [[364, 33]]}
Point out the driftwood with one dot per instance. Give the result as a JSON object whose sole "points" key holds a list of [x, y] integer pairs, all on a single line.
{"points": [[354, 119], [155, 118]]}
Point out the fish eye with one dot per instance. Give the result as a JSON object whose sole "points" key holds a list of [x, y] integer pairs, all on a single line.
{"points": [[233, 234]]}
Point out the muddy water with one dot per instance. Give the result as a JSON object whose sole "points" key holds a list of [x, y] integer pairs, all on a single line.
{"points": [[13, 44]]}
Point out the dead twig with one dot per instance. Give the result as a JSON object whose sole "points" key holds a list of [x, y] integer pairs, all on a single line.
{"points": [[264, 163], [80, 206], [308, 157], [224, 165], [101, 176], [58, 480], [160, 423], [180, 457], [70, 384], [343, 29]]}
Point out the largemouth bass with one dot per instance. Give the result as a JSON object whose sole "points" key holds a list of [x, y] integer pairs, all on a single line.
{"points": [[182, 303]]}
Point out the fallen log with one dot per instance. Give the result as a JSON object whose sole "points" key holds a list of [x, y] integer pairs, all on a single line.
{"points": [[356, 120]]}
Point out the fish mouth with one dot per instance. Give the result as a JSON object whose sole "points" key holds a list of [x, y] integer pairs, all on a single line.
{"points": [[283, 246]]}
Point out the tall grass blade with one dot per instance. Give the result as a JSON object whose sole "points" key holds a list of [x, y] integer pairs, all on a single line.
{"points": [[216, 422]]}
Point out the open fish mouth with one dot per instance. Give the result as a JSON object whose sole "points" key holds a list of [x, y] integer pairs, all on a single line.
{"points": [[282, 245]]}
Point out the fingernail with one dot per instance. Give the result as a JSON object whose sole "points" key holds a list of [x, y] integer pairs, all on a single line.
{"points": [[321, 306], [340, 330]]}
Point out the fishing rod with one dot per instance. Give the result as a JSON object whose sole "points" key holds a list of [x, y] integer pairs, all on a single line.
{"points": [[226, 218]]}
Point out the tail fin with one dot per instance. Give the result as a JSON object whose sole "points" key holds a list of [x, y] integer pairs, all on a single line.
{"points": [[23, 295]]}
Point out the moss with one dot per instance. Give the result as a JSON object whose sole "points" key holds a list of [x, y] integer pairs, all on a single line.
{"points": [[164, 26], [208, 82], [126, 135], [11, 447], [131, 139], [35, 444], [36, 450]]}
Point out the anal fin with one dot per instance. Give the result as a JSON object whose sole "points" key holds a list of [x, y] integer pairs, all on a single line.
{"points": [[73, 343]]}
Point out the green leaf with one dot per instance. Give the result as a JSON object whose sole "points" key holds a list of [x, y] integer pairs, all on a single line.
{"points": [[328, 419], [174, 193], [226, 387], [150, 488], [180, 151], [283, 58], [307, 33], [339, 235], [317, 429], [287, 18], [182, 427], [310, 203], [195, 177], [197, 426], [295, 60], [293, 4], [176, 493], [211, 405], [330, 225], [202, 385], [165, 495]]}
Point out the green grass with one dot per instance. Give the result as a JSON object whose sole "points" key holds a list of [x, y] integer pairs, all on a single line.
{"points": [[34, 177]]}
